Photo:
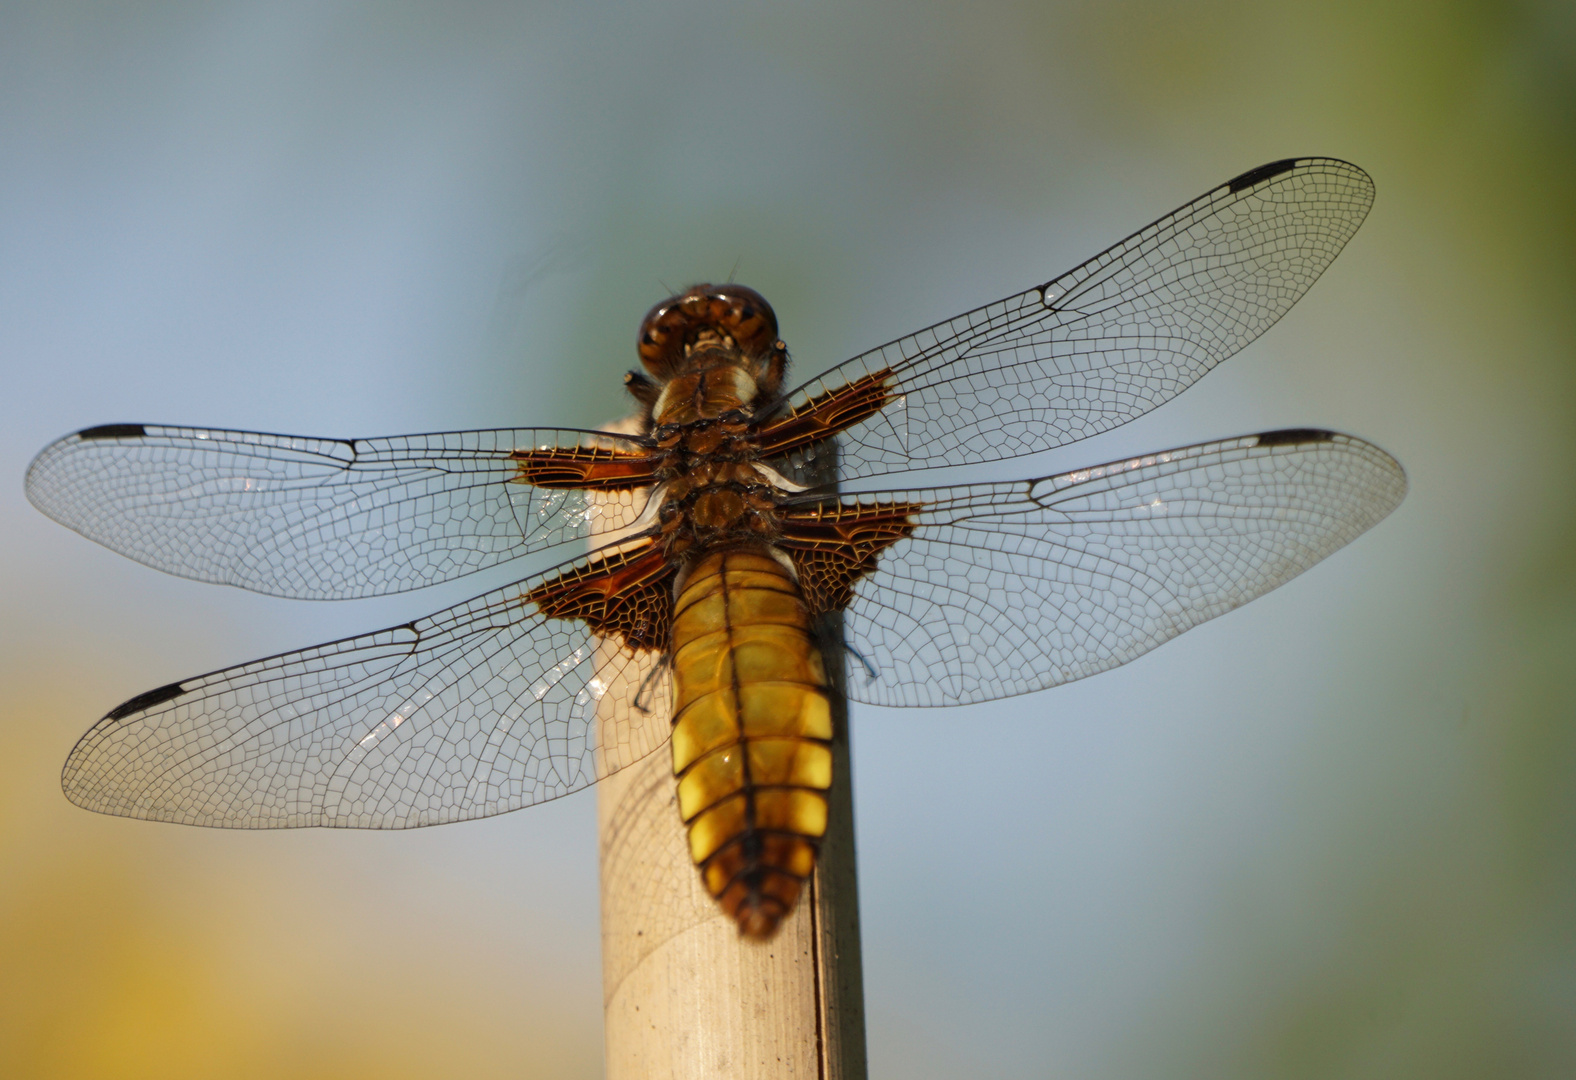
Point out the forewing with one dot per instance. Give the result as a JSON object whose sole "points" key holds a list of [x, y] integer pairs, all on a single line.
{"points": [[1100, 345], [1008, 588], [480, 709], [313, 518]]}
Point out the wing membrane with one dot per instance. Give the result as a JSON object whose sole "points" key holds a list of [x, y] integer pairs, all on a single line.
{"points": [[1008, 588], [480, 709], [1104, 343], [316, 518]]}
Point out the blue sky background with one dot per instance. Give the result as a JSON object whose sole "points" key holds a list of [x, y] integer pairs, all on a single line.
{"points": [[1327, 835]]}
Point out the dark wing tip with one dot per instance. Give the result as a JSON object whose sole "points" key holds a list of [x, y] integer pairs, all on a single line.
{"points": [[1260, 174], [146, 701], [113, 431], [1292, 436]]}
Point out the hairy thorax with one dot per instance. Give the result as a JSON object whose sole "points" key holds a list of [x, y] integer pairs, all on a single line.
{"points": [[713, 491]]}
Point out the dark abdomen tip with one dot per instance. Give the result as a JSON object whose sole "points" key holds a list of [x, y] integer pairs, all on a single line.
{"points": [[759, 922]]}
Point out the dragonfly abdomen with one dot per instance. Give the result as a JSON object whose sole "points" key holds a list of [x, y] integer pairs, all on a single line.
{"points": [[751, 733]]}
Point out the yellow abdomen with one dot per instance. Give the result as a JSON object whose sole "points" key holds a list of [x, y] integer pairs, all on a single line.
{"points": [[752, 730]]}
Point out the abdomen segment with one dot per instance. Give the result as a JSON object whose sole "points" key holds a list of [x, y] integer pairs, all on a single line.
{"points": [[752, 730]]}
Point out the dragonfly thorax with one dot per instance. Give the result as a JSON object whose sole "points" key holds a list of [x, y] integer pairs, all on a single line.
{"points": [[716, 503], [721, 386]]}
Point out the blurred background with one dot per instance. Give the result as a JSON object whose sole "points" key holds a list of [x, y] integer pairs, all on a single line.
{"points": [[1328, 835]]}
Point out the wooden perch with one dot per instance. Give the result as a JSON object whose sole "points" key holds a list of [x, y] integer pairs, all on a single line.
{"points": [[685, 996]]}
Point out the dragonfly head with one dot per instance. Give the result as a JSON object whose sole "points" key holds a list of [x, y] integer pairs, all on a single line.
{"points": [[690, 329]]}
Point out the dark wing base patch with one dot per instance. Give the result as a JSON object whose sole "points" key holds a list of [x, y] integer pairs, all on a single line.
{"points": [[627, 597], [834, 544], [826, 414], [584, 467]]}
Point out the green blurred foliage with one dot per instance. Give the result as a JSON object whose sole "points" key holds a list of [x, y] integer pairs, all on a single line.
{"points": [[1455, 957]]}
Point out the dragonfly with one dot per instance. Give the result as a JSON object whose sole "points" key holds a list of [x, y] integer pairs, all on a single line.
{"points": [[713, 535]]}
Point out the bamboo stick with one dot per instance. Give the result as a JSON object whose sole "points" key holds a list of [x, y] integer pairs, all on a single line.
{"points": [[685, 997]]}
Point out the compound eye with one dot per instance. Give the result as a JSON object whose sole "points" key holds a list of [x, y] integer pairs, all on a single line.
{"points": [[661, 342], [733, 311], [749, 319]]}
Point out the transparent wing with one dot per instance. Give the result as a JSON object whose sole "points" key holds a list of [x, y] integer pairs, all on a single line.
{"points": [[313, 518], [1009, 588], [478, 710], [1109, 341]]}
